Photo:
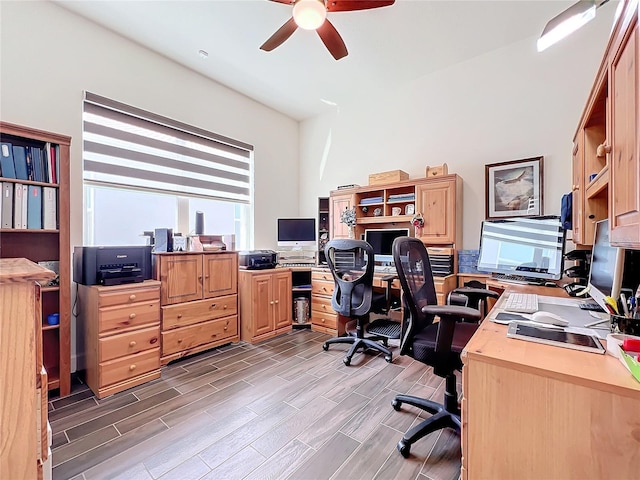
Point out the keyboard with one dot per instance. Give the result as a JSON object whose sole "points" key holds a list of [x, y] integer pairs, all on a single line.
{"points": [[591, 306], [521, 303], [385, 269], [513, 278]]}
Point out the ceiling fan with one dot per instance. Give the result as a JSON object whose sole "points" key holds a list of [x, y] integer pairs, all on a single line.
{"points": [[312, 15]]}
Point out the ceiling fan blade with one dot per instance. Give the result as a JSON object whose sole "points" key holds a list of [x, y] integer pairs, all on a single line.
{"points": [[332, 40], [349, 5], [278, 38]]}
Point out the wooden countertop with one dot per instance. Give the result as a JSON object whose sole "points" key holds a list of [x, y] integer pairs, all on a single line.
{"points": [[16, 270], [603, 372]]}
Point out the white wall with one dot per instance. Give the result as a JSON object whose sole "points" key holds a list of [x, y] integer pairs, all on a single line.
{"points": [[512, 103], [49, 56]]}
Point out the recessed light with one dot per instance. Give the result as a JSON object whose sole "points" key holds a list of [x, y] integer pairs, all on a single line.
{"points": [[203, 53]]}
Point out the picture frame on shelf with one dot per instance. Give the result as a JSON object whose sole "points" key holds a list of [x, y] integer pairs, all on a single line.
{"points": [[409, 209], [514, 188]]}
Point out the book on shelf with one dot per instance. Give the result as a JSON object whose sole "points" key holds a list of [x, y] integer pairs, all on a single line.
{"points": [[20, 162], [25, 198], [17, 207], [7, 168], [6, 215], [34, 207], [49, 208]]}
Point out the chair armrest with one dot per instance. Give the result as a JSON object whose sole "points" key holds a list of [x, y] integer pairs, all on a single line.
{"points": [[483, 292], [389, 278], [449, 316]]}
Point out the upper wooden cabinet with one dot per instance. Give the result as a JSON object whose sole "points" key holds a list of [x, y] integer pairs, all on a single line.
{"points": [[625, 155], [338, 203], [439, 199], [606, 160]]}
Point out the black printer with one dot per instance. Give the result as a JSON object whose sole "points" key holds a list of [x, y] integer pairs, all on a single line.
{"points": [[111, 265], [257, 259]]}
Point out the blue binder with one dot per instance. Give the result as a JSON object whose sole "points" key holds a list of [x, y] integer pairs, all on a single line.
{"points": [[20, 162], [34, 207], [6, 160]]}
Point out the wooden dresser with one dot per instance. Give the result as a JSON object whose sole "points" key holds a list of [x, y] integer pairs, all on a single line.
{"points": [[122, 335], [199, 301], [23, 380]]}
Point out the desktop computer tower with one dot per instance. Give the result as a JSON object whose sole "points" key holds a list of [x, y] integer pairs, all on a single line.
{"points": [[631, 273]]}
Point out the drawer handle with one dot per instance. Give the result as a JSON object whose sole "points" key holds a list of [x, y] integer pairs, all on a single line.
{"points": [[213, 305], [322, 320], [132, 343], [153, 340], [132, 367], [271, 302], [324, 288], [225, 307], [179, 315], [226, 327], [277, 301], [132, 297], [132, 316], [179, 340], [214, 335]]}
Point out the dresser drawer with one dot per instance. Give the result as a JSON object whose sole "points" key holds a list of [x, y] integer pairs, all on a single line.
{"points": [[322, 305], [128, 367], [322, 276], [324, 320], [112, 319], [129, 296], [183, 314], [322, 288], [128, 343], [184, 338]]}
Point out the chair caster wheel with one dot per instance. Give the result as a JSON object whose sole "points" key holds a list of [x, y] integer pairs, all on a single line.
{"points": [[388, 358], [346, 361], [325, 346], [404, 448], [396, 405]]}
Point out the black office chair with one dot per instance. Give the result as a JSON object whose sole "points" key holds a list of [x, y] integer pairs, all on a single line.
{"points": [[437, 344], [351, 263]]}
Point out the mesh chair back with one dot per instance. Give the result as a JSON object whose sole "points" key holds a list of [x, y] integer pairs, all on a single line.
{"points": [[416, 278], [351, 264]]}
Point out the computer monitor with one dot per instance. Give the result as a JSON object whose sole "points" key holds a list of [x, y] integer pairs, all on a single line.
{"points": [[524, 247], [297, 232], [381, 240], [607, 266]]}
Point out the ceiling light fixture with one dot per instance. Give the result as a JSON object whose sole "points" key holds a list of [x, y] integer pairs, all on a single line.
{"points": [[309, 14], [563, 25]]}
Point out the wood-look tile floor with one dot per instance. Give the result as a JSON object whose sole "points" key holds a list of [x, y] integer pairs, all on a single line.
{"points": [[281, 409]]}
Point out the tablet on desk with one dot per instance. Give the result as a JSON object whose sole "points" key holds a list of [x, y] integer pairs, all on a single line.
{"points": [[554, 337]]}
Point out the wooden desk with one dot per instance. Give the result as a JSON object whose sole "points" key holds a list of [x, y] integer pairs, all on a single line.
{"points": [[533, 411]]}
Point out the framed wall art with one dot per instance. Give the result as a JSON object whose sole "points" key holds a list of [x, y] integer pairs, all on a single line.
{"points": [[514, 189]]}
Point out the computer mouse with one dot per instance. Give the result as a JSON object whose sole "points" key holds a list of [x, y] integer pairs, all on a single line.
{"points": [[549, 318]]}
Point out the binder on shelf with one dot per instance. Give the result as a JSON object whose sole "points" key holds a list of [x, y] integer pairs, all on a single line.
{"points": [[20, 162], [25, 197], [49, 208], [34, 207], [6, 216], [17, 207], [6, 160]]}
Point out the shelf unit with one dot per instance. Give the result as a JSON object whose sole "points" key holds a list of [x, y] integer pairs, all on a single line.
{"points": [[47, 245], [323, 228], [301, 288]]}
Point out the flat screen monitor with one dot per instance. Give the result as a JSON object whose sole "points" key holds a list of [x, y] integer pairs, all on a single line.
{"points": [[381, 240], [607, 265], [525, 247], [296, 232]]}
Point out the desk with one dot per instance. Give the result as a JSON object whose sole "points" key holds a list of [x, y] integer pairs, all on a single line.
{"points": [[533, 411]]}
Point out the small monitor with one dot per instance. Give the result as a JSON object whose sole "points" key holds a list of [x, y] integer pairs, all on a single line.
{"points": [[524, 247], [297, 232], [607, 265], [381, 240]]}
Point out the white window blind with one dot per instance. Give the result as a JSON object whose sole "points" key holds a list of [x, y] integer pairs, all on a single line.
{"points": [[129, 147]]}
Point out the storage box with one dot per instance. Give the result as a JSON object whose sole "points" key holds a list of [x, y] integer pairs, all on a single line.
{"points": [[468, 261], [388, 177]]}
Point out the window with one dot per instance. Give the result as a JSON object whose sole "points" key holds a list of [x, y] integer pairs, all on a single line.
{"points": [[143, 171]]}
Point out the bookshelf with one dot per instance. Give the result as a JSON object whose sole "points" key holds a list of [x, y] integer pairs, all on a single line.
{"points": [[44, 244]]}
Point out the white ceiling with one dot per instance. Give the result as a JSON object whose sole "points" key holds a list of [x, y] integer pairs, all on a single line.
{"points": [[388, 47]]}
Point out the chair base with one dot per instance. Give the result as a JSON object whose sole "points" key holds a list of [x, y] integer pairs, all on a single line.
{"points": [[357, 343], [443, 416]]}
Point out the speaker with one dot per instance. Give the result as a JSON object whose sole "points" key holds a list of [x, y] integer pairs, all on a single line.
{"points": [[164, 240], [199, 223]]}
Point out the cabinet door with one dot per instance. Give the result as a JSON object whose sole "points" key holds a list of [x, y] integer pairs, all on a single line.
{"points": [[338, 204], [282, 299], [220, 274], [624, 208], [262, 304], [436, 200], [577, 218], [181, 277]]}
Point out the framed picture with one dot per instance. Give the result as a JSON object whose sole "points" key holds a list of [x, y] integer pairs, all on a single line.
{"points": [[514, 189]]}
